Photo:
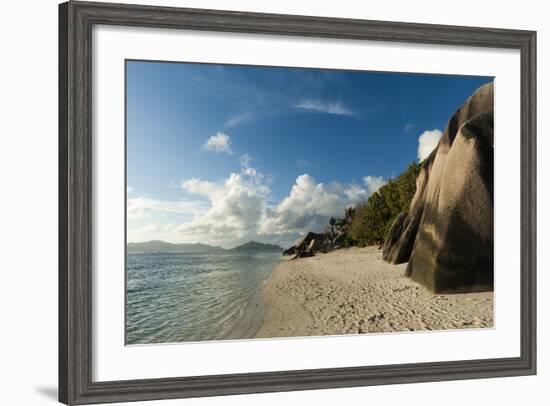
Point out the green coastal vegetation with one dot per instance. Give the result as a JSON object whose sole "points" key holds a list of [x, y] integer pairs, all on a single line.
{"points": [[371, 221], [367, 223]]}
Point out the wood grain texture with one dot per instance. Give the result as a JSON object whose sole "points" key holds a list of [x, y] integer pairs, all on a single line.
{"points": [[63, 213], [76, 20]]}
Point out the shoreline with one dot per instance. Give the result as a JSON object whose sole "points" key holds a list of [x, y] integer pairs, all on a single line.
{"points": [[252, 317], [250, 320], [354, 291]]}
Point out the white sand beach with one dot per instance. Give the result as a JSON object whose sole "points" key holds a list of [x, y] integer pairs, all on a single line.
{"points": [[353, 291]]}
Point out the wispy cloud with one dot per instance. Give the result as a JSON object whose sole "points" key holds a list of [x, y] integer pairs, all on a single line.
{"points": [[129, 189], [245, 160], [218, 143], [238, 119], [408, 127], [327, 107], [306, 164], [144, 207]]}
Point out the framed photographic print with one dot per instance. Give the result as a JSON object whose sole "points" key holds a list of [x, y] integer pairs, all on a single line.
{"points": [[257, 202]]}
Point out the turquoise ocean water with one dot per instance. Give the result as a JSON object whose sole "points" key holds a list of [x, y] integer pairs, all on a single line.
{"points": [[175, 297]]}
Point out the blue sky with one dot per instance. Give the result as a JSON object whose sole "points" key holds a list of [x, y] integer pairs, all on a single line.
{"points": [[223, 154]]}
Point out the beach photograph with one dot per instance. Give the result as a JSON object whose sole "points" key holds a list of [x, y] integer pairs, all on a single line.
{"points": [[277, 202]]}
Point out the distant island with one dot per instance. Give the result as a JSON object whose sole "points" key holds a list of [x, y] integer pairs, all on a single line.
{"points": [[257, 246], [163, 246]]}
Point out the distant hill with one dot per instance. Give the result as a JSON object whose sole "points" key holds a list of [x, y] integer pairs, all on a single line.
{"points": [[163, 246], [257, 247]]}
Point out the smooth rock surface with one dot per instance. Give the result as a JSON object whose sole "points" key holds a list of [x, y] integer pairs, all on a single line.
{"points": [[447, 235]]}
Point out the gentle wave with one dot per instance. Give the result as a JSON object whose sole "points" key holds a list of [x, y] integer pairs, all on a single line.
{"points": [[174, 297]]}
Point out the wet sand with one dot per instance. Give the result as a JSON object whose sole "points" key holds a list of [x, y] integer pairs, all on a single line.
{"points": [[250, 321], [353, 291]]}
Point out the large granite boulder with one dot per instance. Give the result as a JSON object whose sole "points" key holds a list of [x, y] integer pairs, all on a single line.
{"points": [[333, 238], [399, 243], [447, 235], [307, 246]]}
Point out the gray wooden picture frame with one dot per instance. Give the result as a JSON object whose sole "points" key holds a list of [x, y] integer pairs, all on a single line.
{"points": [[76, 20]]}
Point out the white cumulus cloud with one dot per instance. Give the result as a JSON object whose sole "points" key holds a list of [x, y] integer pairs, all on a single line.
{"points": [[218, 143], [373, 183], [237, 205], [356, 194], [239, 208], [309, 206], [427, 142]]}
